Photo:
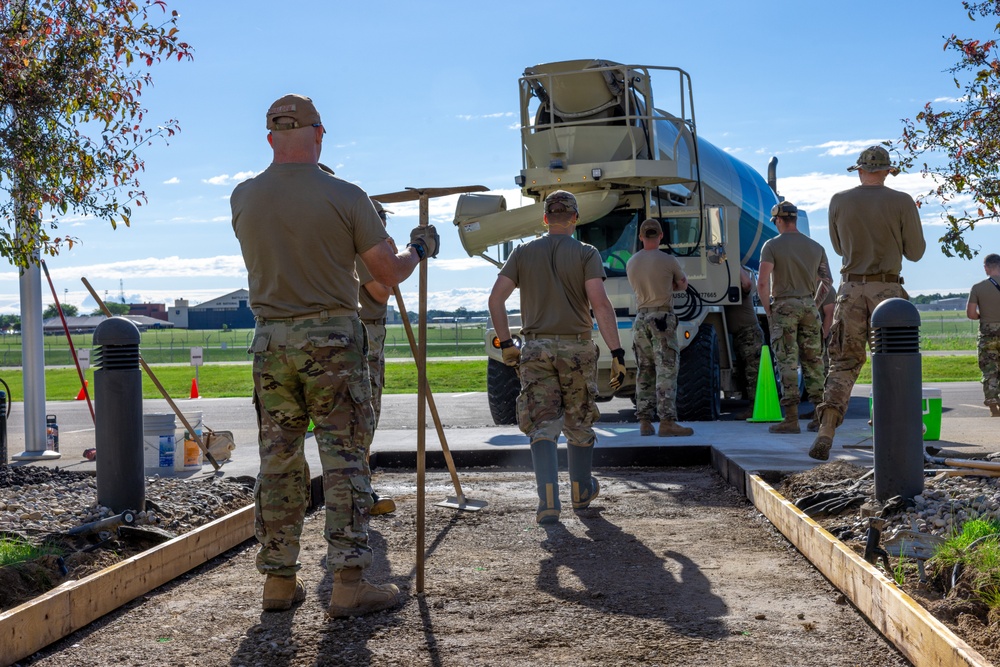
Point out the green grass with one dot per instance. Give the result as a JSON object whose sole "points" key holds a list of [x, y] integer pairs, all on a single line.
{"points": [[938, 369], [980, 565], [235, 380], [17, 550]]}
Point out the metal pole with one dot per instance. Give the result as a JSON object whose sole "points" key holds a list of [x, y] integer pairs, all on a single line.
{"points": [[421, 398]]}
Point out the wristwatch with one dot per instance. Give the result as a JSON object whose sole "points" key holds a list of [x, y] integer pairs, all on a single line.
{"points": [[504, 344], [419, 248]]}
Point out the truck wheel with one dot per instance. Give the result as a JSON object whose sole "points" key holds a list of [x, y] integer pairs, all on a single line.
{"points": [[698, 384], [502, 388]]}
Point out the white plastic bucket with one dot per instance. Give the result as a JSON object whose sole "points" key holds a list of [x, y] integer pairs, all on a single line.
{"points": [[189, 455], [158, 444]]}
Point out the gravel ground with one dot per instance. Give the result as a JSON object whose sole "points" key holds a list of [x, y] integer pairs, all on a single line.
{"points": [[668, 567]]}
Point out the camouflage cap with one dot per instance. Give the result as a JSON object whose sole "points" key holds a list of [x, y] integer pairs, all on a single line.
{"points": [[785, 209], [294, 110], [650, 228], [874, 158], [561, 201]]}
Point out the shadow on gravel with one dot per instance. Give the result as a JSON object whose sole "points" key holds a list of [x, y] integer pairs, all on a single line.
{"points": [[634, 582]]}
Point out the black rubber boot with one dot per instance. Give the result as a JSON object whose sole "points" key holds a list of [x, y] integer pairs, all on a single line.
{"points": [[583, 487], [546, 464]]}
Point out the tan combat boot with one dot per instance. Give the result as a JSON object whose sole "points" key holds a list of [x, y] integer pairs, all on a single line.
{"points": [[280, 593], [790, 424], [670, 429], [824, 439], [646, 427], [994, 409], [353, 596]]}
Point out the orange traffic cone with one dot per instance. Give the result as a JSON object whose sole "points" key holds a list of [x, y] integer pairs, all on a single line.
{"points": [[194, 388], [82, 396]]}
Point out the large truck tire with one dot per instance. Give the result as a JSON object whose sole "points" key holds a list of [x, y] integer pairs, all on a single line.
{"points": [[699, 395], [502, 388]]}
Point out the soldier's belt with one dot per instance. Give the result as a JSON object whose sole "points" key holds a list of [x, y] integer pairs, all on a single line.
{"points": [[318, 315], [378, 323], [657, 309], [873, 278], [586, 335]]}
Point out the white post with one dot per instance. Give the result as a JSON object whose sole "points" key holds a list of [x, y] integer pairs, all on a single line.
{"points": [[33, 362]]}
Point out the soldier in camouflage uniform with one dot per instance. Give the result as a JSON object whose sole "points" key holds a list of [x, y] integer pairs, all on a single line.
{"points": [[373, 297], [748, 338], [790, 266], [560, 280], [873, 228], [300, 229], [654, 277], [984, 305]]}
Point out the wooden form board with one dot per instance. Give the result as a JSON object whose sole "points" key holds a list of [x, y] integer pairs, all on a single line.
{"points": [[919, 636], [33, 625]]}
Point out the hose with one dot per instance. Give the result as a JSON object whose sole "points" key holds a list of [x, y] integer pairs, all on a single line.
{"points": [[956, 571], [6, 407]]}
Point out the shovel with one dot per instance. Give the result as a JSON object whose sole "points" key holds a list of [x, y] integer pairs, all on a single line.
{"points": [[458, 501]]}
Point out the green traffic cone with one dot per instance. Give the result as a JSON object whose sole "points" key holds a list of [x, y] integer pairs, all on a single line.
{"points": [[766, 407]]}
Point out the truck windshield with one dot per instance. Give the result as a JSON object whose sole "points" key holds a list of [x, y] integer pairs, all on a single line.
{"points": [[615, 237]]}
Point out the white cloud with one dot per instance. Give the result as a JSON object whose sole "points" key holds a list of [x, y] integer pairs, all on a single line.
{"points": [[950, 100], [226, 179], [172, 181], [461, 264], [841, 148], [500, 114], [470, 298]]}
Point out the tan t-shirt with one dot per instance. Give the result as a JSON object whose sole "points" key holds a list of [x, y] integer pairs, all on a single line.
{"points": [[369, 308], [796, 259], [551, 273], [651, 274], [873, 227], [300, 230], [743, 315], [987, 297]]}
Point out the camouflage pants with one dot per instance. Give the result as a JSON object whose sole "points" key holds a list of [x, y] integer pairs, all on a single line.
{"points": [[849, 335], [558, 390], [376, 365], [657, 356], [747, 343], [989, 361], [312, 369], [797, 338]]}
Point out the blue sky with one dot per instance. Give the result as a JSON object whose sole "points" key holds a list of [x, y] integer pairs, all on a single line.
{"points": [[425, 95]]}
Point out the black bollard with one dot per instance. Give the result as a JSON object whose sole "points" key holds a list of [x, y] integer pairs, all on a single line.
{"points": [[118, 416], [897, 415]]}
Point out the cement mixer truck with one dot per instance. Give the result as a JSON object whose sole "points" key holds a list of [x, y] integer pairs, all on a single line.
{"points": [[593, 127]]}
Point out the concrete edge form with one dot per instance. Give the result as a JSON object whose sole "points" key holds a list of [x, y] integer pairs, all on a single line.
{"points": [[34, 625], [920, 637]]}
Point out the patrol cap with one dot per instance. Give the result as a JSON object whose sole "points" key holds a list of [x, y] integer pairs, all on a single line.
{"points": [[874, 158], [294, 110], [378, 207], [561, 201], [785, 209], [650, 228]]}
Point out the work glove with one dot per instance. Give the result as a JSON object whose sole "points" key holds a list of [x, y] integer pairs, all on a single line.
{"points": [[511, 352], [426, 239], [617, 368]]}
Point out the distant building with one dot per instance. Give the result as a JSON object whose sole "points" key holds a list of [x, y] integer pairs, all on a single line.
{"points": [[157, 311], [957, 303], [230, 311], [86, 324], [178, 315]]}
